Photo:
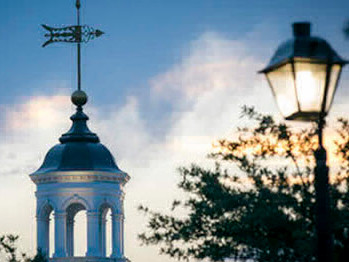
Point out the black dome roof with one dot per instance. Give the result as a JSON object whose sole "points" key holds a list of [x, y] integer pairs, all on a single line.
{"points": [[303, 46], [80, 149]]}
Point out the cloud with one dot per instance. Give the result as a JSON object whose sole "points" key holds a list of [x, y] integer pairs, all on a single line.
{"points": [[215, 78], [29, 130], [38, 113], [209, 63]]}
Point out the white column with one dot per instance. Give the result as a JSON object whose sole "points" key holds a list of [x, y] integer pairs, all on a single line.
{"points": [[70, 237], [60, 234], [93, 241], [117, 235], [122, 246], [102, 232], [43, 231]]}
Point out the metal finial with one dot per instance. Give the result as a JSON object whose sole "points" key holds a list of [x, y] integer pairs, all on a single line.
{"points": [[79, 98], [73, 34], [78, 4]]}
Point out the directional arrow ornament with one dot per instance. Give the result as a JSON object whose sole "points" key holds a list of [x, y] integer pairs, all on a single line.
{"points": [[72, 34]]}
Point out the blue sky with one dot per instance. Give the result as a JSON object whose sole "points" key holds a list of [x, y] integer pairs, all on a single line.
{"points": [[165, 81], [142, 39]]}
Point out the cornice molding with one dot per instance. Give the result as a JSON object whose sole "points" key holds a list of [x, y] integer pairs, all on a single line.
{"points": [[86, 193], [80, 177]]}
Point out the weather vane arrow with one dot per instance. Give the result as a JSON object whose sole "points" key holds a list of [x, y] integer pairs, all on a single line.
{"points": [[72, 34]]}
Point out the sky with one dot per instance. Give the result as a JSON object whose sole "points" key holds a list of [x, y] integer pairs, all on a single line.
{"points": [[171, 75]]}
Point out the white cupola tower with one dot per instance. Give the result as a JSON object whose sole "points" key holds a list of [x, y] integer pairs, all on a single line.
{"points": [[78, 174]]}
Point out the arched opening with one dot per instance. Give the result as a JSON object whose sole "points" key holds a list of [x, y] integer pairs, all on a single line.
{"points": [[108, 228], [105, 230], [51, 241], [76, 230], [80, 234], [45, 230]]}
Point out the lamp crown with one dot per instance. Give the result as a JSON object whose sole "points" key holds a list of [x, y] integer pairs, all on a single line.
{"points": [[301, 29]]}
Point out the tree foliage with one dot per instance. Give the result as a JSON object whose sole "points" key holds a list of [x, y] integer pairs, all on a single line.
{"points": [[262, 208], [9, 251]]}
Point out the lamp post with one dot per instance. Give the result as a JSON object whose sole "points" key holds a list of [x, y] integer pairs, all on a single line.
{"points": [[303, 75]]}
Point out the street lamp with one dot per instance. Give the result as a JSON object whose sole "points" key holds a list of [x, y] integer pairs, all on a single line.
{"points": [[303, 75]]}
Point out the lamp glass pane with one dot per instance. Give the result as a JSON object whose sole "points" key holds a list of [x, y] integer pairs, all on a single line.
{"points": [[335, 72], [282, 84], [310, 85]]}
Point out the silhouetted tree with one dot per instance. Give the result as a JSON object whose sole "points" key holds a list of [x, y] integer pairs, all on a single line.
{"points": [[9, 251], [39, 257], [262, 207]]}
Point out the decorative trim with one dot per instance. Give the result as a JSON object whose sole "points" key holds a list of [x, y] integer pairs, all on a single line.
{"points": [[75, 199], [118, 217], [42, 219], [81, 193], [93, 214], [60, 214], [108, 202], [80, 176], [42, 207], [88, 259]]}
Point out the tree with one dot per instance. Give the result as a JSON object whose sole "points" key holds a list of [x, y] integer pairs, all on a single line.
{"points": [[262, 207], [9, 250], [39, 257]]}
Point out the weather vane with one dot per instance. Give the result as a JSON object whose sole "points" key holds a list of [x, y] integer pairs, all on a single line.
{"points": [[72, 34]]}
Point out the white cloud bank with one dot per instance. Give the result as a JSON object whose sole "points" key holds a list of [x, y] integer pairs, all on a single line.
{"points": [[206, 89]]}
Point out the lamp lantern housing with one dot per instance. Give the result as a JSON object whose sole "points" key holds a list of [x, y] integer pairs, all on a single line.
{"points": [[303, 75]]}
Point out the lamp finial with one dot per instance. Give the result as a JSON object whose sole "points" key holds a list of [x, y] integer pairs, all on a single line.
{"points": [[301, 29]]}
